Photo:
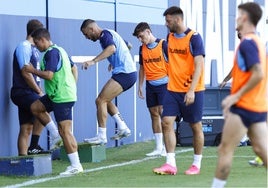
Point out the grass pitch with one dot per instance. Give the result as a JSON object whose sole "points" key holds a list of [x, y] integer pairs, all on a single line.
{"points": [[127, 166]]}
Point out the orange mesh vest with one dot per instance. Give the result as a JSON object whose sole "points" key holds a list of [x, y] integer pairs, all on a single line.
{"points": [[154, 63], [181, 64], [256, 99]]}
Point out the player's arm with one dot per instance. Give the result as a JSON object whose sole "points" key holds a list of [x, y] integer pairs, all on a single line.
{"points": [[141, 74], [29, 79], [52, 58], [141, 80], [199, 65], [107, 44], [226, 79], [107, 52], [23, 55], [47, 75], [197, 50], [75, 72]]}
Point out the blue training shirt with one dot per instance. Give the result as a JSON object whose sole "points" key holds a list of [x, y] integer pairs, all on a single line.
{"points": [[24, 53], [247, 54], [121, 60]]}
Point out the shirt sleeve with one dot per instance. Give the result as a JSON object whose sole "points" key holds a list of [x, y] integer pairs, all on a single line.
{"points": [[106, 39], [23, 54], [249, 52], [197, 46], [52, 60], [140, 56], [165, 49]]}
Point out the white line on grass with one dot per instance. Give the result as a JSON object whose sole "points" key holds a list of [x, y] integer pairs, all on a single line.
{"points": [[41, 180]]}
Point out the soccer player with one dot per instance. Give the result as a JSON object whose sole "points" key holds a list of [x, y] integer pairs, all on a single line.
{"points": [[25, 90], [153, 68], [60, 85], [245, 109], [124, 76], [185, 90], [244, 140]]}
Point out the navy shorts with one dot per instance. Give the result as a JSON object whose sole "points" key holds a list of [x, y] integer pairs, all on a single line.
{"points": [[62, 111], [126, 80], [249, 117], [155, 94], [24, 99], [174, 106]]}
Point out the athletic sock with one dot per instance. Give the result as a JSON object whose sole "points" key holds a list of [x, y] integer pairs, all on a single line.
{"points": [[34, 141], [244, 139], [158, 141], [170, 159], [52, 128], [120, 121], [197, 161], [217, 183], [74, 159], [102, 132]]}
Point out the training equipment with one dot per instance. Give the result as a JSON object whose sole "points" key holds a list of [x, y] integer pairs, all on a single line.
{"points": [[121, 134], [212, 128], [87, 153], [193, 170], [165, 169], [33, 165], [71, 170]]}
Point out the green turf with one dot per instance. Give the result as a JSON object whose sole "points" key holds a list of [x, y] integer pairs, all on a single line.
{"points": [[140, 174]]}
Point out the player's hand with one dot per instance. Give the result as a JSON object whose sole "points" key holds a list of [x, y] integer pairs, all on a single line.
{"points": [[87, 64], [41, 94], [189, 98], [29, 68], [227, 102], [140, 94]]}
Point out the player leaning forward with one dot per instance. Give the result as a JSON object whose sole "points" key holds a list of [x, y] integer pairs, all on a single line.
{"points": [[124, 76], [60, 77]]}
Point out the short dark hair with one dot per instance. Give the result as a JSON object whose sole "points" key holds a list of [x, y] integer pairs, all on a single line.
{"points": [[33, 25], [254, 11], [174, 10], [142, 26], [86, 23], [41, 32]]}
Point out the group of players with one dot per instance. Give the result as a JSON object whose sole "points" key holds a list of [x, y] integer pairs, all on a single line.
{"points": [[174, 74]]}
